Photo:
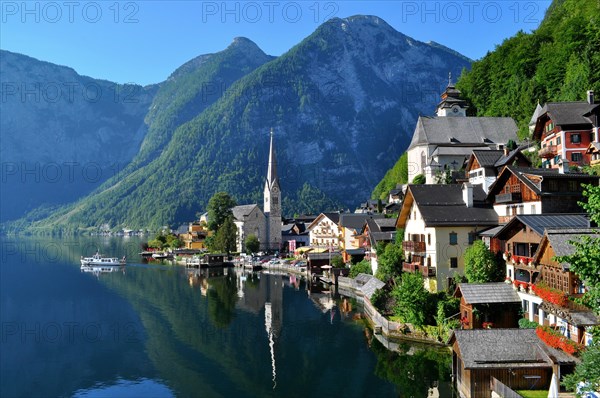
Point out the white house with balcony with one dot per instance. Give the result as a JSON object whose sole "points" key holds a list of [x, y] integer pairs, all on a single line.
{"points": [[440, 222], [324, 232]]}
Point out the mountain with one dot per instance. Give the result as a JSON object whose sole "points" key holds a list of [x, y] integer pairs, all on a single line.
{"points": [[62, 134], [342, 103], [556, 62]]}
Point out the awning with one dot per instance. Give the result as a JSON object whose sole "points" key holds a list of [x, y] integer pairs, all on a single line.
{"points": [[304, 249]]}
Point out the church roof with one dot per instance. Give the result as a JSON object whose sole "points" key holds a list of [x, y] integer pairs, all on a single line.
{"points": [[463, 131], [241, 212]]}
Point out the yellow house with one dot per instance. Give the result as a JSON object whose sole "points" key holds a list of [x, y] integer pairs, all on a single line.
{"points": [[440, 222], [196, 236]]}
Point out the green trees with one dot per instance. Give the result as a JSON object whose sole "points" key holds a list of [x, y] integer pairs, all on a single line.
{"points": [[480, 263], [252, 244], [165, 241], [556, 62], [225, 238], [411, 299], [396, 175], [219, 208], [389, 261], [220, 220], [419, 179], [363, 267], [337, 262]]}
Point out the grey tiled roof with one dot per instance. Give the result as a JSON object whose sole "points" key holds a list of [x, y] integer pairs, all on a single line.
{"points": [[356, 221], [540, 222], [538, 111], [501, 348], [559, 239], [443, 205], [369, 288], [240, 212], [569, 113], [488, 293], [585, 318], [385, 223], [464, 130], [487, 158]]}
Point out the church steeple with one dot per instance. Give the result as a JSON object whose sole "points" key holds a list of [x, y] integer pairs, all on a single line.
{"points": [[272, 168], [272, 197], [452, 103]]}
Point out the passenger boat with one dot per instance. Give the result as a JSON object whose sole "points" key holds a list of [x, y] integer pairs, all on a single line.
{"points": [[97, 259]]}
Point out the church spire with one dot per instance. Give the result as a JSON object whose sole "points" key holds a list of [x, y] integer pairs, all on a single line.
{"points": [[272, 168]]}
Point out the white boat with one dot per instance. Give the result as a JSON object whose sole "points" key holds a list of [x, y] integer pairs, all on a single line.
{"points": [[97, 259], [162, 255]]}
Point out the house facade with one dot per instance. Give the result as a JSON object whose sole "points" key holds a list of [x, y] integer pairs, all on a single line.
{"points": [[440, 222], [195, 237], [484, 166], [565, 131], [488, 305], [522, 190], [442, 144], [324, 232]]}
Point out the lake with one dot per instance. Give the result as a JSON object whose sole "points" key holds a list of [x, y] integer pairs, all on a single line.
{"points": [[159, 330]]}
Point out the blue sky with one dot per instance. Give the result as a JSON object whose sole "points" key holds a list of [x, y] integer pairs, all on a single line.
{"points": [[144, 41]]}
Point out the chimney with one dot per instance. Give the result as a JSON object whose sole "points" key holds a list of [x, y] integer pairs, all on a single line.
{"points": [[467, 194], [563, 166], [506, 150], [590, 97]]}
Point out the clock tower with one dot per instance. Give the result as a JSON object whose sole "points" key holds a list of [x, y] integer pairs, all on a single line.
{"points": [[452, 103], [272, 204]]}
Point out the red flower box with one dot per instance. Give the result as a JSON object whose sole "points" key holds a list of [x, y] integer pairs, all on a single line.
{"points": [[551, 295], [557, 340]]}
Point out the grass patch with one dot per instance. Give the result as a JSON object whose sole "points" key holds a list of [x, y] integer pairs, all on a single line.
{"points": [[533, 393]]}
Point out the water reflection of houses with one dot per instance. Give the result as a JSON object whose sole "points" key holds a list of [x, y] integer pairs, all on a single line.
{"points": [[200, 277]]}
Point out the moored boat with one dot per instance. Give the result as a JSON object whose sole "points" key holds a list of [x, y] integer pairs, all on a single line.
{"points": [[98, 259]]}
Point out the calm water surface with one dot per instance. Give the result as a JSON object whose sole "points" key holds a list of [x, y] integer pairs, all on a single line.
{"points": [[158, 330]]}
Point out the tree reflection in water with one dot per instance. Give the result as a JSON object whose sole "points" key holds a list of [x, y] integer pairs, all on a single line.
{"points": [[222, 297], [414, 371]]}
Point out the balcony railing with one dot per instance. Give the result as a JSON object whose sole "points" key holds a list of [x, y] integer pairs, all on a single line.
{"points": [[415, 247], [428, 271], [547, 152], [510, 197], [410, 267]]}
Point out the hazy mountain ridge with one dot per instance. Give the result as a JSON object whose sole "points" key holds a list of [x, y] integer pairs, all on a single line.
{"points": [[343, 104], [63, 133]]}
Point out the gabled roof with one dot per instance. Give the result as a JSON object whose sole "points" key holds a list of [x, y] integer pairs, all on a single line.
{"points": [[565, 114], [533, 177], [512, 155], [594, 147], [376, 237], [356, 221], [443, 205], [487, 158], [540, 222], [240, 212], [463, 131], [487, 293], [505, 348], [558, 240], [334, 217], [538, 111]]}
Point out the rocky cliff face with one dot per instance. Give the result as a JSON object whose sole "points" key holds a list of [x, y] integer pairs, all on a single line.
{"points": [[343, 104], [63, 134]]}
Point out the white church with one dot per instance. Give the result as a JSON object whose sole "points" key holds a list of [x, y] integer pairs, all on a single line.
{"points": [[251, 220]]}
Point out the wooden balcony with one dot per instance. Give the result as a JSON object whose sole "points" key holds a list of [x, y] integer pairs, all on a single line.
{"points": [[510, 197], [428, 271], [547, 152], [410, 267], [415, 247]]}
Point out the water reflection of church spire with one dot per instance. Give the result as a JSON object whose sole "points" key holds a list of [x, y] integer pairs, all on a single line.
{"points": [[273, 317]]}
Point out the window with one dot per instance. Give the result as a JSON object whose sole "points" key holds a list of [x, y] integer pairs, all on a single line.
{"points": [[471, 237], [532, 209], [423, 161], [453, 262], [576, 156], [507, 210], [510, 273], [558, 140], [429, 239], [575, 138], [453, 238]]}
